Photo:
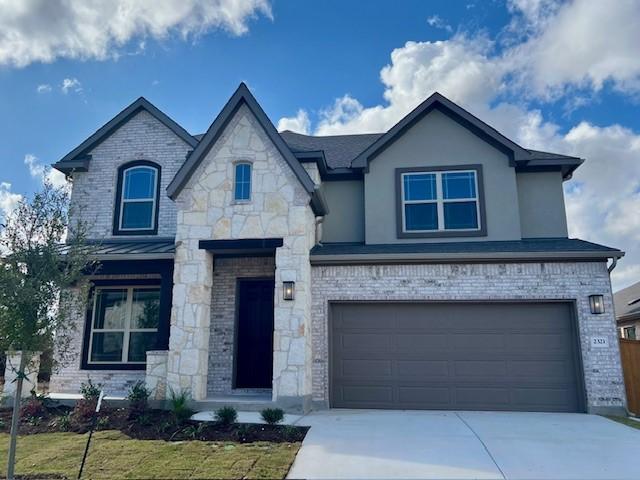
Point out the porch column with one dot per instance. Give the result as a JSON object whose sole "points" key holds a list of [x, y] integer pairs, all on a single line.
{"points": [[11, 370], [190, 318], [292, 359]]}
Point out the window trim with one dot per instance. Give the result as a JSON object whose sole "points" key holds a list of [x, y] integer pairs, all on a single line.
{"points": [[481, 231], [127, 330], [119, 204], [235, 178]]}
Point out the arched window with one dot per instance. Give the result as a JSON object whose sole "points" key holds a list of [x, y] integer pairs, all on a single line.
{"points": [[137, 199], [242, 184]]}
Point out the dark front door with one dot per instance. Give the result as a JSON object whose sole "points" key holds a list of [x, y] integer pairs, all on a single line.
{"points": [[254, 345]]}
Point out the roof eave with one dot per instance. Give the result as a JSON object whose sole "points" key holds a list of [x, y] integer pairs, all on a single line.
{"points": [[477, 257]]}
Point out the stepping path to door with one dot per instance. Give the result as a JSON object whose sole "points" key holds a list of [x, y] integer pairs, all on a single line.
{"points": [[352, 444]]}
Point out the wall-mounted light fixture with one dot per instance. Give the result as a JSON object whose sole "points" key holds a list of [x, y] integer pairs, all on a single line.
{"points": [[596, 302], [288, 290]]}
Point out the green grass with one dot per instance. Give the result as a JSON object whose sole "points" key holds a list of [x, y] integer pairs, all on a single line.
{"points": [[625, 420], [114, 455]]}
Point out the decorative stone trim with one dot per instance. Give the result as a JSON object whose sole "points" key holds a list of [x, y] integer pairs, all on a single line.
{"points": [[156, 373]]}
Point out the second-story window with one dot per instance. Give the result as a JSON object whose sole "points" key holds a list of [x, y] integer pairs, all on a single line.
{"points": [[137, 202], [440, 201], [242, 183]]}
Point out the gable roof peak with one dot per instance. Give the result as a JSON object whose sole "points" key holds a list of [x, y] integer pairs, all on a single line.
{"points": [[77, 159], [242, 96]]}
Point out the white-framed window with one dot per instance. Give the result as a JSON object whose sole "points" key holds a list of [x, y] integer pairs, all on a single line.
{"points": [[242, 182], [440, 201], [138, 197], [124, 324]]}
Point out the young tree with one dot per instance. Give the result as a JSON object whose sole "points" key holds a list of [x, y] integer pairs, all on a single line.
{"points": [[40, 281]]}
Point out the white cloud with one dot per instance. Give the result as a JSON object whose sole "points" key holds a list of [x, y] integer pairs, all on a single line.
{"points": [[436, 21], [70, 84], [43, 88], [39, 171], [300, 123], [8, 200], [581, 44], [44, 30]]}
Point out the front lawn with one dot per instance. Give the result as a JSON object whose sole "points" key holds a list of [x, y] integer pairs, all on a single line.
{"points": [[115, 455]]}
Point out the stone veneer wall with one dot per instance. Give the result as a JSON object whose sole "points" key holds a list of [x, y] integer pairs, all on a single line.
{"points": [[143, 137], [279, 207], [226, 271], [512, 281]]}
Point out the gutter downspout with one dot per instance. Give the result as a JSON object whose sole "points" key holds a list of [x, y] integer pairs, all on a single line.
{"points": [[318, 239], [614, 262]]}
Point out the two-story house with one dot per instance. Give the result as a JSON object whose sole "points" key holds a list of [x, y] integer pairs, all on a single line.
{"points": [[427, 267]]}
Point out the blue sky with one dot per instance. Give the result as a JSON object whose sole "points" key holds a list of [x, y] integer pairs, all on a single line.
{"points": [[560, 76]]}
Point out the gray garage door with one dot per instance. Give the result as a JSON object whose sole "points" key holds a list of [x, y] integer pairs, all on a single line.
{"points": [[462, 356]]}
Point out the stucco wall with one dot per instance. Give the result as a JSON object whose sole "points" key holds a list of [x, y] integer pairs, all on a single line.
{"points": [[226, 272], [279, 207], [143, 137], [437, 140], [345, 222], [514, 281], [541, 201]]}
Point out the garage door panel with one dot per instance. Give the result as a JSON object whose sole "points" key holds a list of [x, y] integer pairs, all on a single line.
{"points": [[405, 356], [419, 395], [421, 369], [374, 394]]}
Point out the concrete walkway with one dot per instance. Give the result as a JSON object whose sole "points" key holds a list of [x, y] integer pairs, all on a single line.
{"points": [[464, 445]]}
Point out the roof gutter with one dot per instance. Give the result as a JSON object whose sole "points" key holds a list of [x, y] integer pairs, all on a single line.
{"points": [[460, 257]]}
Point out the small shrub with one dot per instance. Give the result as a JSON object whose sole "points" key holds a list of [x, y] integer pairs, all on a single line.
{"points": [[291, 433], [82, 414], [62, 423], [138, 397], [32, 408], [194, 431], [226, 415], [179, 402], [243, 432], [272, 416], [90, 391], [102, 423]]}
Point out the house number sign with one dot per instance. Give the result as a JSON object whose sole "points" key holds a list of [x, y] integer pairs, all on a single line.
{"points": [[599, 342]]}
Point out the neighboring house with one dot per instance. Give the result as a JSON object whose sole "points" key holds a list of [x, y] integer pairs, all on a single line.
{"points": [[627, 303], [424, 267]]}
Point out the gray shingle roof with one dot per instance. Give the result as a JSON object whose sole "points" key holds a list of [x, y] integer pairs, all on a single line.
{"points": [[542, 245], [339, 150], [627, 303]]}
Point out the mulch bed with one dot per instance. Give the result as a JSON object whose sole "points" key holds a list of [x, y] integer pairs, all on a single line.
{"points": [[155, 425]]}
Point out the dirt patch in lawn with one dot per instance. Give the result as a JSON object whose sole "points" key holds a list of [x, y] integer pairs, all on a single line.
{"points": [[153, 425]]}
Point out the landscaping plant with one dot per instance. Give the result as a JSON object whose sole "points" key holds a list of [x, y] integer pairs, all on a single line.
{"points": [[226, 415], [272, 416], [138, 397], [85, 408], [40, 282], [179, 402]]}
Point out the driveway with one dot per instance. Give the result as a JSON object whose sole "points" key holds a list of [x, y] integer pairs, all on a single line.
{"points": [[464, 445]]}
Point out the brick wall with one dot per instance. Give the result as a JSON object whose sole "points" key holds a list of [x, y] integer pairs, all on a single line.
{"points": [[143, 137], [226, 271], [512, 281]]}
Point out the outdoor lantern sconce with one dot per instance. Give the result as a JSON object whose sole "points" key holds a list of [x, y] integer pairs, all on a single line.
{"points": [[596, 302], [288, 290]]}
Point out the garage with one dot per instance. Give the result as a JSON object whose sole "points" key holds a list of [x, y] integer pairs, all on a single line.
{"points": [[507, 356]]}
